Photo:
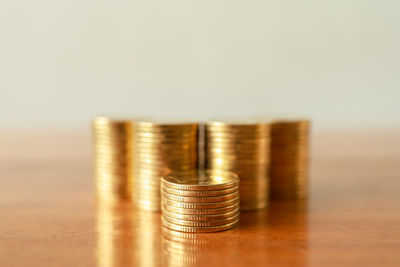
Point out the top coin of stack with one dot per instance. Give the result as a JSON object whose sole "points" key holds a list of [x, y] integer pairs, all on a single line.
{"points": [[160, 149], [242, 148], [112, 141], [205, 203], [289, 159]]}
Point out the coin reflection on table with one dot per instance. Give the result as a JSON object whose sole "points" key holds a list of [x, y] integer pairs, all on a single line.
{"points": [[182, 249], [115, 242], [126, 236], [147, 238]]}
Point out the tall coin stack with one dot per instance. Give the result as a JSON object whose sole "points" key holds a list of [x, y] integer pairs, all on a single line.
{"points": [[289, 159], [112, 141], [205, 203], [243, 149], [161, 149]]}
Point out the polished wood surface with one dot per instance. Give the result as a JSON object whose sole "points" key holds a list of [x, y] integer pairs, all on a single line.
{"points": [[48, 215]]}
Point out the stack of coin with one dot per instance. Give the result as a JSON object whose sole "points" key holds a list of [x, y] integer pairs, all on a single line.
{"points": [[289, 159], [113, 157], [208, 202], [242, 148], [160, 149]]}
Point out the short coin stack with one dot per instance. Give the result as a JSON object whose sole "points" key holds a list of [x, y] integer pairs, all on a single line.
{"points": [[112, 141], [160, 149], [208, 202], [289, 159], [242, 148]]}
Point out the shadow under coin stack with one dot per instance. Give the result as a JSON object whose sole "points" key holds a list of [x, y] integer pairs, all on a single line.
{"points": [[243, 149], [208, 202], [161, 149], [112, 141], [289, 159]]}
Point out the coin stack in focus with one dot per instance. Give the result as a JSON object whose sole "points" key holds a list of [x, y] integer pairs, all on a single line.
{"points": [[208, 202], [113, 156], [243, 149], [289, 159], [160, 149]]}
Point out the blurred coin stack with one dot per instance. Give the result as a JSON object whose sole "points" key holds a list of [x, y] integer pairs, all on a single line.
{"points": [[208, 202], [242, 148], [289, 159], [112, 141], [161, 149]]}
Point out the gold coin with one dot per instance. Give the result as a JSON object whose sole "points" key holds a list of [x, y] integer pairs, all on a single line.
{"points": [[211, 217], [207, 193], [200, 199], [199, 229], [254, 205], [289, 159], [201, 211], [146, 205], [166, 124], [181, 146], [212, 205], [209, 180], [235, 218], [246, 125]]}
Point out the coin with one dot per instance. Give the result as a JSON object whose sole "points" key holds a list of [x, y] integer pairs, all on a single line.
{"points": [[161, 148], [209, 180], [181, 222], [243, 148], [211, 217], [289, 159], [200, 199], [198, 229], [212, 205], [112, 139], [207, 193], [202, 211]]}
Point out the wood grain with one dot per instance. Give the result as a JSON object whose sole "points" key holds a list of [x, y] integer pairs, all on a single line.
{"points": [[48, 215]]}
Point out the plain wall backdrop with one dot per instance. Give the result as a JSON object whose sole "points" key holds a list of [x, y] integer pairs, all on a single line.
{"points": [[62, 62]]}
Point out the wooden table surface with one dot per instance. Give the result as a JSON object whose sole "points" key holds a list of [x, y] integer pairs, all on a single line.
{"points": [[48, 215]]}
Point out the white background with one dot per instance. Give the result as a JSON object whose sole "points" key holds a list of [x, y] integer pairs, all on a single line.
{"points": [[62, 62]]}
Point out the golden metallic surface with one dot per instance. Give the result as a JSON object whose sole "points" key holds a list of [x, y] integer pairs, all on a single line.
{"points": [[212, 205], [113, 156], [183, 249], [289, 159], [207, 193], [242, 148], [116, 238], [206, 217], [193, 223], [209, 229], [201, 199], [49, 215], [195, 211], [201, 211], [161, 149], [205, 180]]}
